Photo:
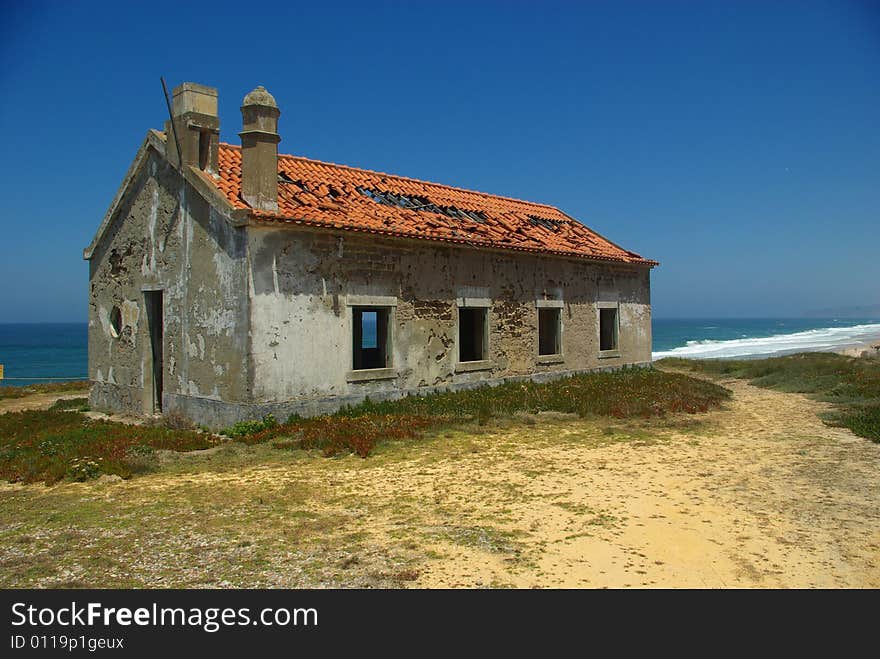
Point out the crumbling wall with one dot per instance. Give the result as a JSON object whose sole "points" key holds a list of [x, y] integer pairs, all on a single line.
{"points": [[259, 320], [304, 282], [166, 237]]}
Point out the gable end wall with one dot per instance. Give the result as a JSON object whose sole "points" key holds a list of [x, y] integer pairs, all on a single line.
{"points": [[165, 236]]}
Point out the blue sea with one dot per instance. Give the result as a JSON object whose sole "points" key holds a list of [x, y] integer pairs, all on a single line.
{"points": [[49, 352], [43, 352]]}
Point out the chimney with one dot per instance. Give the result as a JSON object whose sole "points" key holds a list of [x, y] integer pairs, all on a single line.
{"points": [[259, 150], [194, 109]]}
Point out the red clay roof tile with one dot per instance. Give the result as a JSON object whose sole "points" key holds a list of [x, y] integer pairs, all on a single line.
{"points": [[316, 193]]}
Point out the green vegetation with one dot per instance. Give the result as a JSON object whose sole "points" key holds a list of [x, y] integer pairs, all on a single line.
{"points": [[54, 444], [243, 428], [628, 393], [75, 404], [52, 388], [48, 445], [851, 383]]}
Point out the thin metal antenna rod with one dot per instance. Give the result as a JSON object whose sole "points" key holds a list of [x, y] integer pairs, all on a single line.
{"points": [[171, 118]]}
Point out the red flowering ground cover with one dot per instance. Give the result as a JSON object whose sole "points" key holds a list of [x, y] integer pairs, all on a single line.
{"points": [[55, 444], [38, 445], [627, 393]]}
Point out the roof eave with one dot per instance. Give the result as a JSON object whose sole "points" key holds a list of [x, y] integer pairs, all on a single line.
{"points": [[268, 217]]}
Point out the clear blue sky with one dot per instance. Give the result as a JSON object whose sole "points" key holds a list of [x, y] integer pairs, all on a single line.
{"points": [[738, 143]]}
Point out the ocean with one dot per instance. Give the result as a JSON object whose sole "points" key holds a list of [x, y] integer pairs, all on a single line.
{"points": [[33, 352], [48, 352], [757, 337]]}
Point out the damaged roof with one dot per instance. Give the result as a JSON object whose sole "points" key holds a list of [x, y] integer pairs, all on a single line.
{"points": [[323, 194]]}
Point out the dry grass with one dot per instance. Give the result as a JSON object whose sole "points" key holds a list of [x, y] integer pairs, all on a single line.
{"points": [[51, 388], [253, 516], [851, 383]]}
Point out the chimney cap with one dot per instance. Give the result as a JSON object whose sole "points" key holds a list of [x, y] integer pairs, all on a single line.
{"points": [[260, 96], [193, 97]]}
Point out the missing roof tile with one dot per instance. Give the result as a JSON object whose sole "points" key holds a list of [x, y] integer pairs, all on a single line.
{"points": [[538, 221], [419, 203], [284, 178]]}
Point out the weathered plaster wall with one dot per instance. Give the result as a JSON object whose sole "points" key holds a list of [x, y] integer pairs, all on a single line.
{"points": [[165, 236], [259, 320], [303, 282]]}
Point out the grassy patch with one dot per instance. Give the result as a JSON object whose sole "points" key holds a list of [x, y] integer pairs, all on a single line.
{"points": [[51, 388], [643, 393], [58, 443], [75, 404], [484, 538], [244, 428], [851, 383], [48, 445], [865, 421]]}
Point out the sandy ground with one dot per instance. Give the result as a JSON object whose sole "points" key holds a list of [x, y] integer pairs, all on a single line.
{"points": [[761, 494], [867, 349], [770, 497], [37, 401]]}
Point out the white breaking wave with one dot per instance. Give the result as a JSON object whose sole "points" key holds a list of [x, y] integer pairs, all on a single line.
{"points": [[826, 338]]}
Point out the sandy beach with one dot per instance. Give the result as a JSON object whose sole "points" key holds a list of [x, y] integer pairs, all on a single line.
{"points": [[865, 349]]}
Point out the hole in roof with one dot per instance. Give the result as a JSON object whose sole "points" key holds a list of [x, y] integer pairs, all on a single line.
{"points": [[284, 178], [419, 203], [539, 221]]}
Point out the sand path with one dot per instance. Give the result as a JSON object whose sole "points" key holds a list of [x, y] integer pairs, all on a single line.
{"points": [[37, 401], [769, 497]]}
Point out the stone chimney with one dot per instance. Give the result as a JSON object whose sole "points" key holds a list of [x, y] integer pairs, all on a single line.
{"points": [[194, 109], [259, 150]]}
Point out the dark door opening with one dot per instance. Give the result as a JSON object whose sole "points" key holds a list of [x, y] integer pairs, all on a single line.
{"points": [[548, 332], [153, 300]]}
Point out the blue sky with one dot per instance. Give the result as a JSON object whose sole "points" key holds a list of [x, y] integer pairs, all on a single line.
{"points": [[738, 143]]}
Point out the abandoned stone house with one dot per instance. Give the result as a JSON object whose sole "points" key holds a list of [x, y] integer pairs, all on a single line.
{"points": [[228, 281]]}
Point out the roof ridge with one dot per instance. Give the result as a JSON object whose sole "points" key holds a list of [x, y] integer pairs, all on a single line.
{"points": [[413, 180]]}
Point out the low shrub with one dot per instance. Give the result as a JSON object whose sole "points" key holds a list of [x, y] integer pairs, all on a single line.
{"points": [[864, 422], [244, 428], [55, 444], [176, 421], [851, 383], [49, 445], [627, 393], [74, 404], [334, 435]]}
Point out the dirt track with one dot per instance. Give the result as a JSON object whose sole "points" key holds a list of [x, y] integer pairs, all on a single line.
{"points": [[766, 495], [37, 401], [771, 498]]}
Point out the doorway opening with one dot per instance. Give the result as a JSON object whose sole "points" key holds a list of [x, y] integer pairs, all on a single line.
{"points": [[155, 315]]}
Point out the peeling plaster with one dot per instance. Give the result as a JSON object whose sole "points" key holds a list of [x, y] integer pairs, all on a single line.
{"points": [[259, 316]]}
